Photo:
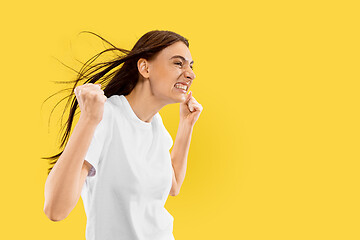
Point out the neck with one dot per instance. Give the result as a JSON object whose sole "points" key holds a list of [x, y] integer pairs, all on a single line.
{"points": [[143, 102]]}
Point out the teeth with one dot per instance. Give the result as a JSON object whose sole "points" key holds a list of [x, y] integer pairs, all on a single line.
{"points": [[181, 86]]}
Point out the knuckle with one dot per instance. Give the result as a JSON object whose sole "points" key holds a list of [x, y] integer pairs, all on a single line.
{"points": [[91, 94]]}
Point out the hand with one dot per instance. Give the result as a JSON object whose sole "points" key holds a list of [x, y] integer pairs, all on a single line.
{"points": [[190, 109], [91, 101]]}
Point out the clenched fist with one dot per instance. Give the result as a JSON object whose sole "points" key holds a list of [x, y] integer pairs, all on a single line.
{"points": [[91, 100]]}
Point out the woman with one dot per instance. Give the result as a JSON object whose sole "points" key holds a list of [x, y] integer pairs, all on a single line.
{"points": [[117, 157]]}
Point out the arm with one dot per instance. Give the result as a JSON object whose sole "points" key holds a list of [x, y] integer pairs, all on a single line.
{"points": [[67, 176], [190, 111], [179, 155]]}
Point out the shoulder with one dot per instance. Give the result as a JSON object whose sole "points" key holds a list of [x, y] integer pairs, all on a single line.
{"points": [[159, 118], [114, 100], [113, 110], [109, 106], [108, 114], [111, 101]]}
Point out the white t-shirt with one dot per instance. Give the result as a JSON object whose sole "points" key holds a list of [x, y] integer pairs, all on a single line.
{"points": [[131, 176]]}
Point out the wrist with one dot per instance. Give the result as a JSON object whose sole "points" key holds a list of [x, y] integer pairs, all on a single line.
{"points": [[186, 124], [88, 121]]}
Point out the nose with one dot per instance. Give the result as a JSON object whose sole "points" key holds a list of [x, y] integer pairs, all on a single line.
{"points": [[190, 74]]}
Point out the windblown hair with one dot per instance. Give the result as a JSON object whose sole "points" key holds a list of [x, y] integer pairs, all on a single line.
{"points": [[118, 76]]}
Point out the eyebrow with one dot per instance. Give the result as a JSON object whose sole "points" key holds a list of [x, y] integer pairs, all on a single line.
{"points": [[179, 56]]}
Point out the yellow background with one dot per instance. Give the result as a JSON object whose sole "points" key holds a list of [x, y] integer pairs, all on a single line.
{"points": [[275, 152]]}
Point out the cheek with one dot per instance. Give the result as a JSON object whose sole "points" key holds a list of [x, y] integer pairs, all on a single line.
{"points": [[161, 84], [161, 73], [163, 79], [165, 76]]}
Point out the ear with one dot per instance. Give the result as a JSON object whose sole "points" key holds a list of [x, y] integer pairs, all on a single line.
{"points": [[143, 67]]}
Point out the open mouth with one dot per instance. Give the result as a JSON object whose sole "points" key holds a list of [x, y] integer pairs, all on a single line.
{"points": [[181, 86]]}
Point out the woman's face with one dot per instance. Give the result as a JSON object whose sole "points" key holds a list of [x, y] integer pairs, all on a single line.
{"points": [[171, 66]]}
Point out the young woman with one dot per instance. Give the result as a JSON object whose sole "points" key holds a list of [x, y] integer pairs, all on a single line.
{"points": [[117, 158]]}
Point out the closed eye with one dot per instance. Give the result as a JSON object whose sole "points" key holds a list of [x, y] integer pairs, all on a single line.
{"points": [[180, 63]]}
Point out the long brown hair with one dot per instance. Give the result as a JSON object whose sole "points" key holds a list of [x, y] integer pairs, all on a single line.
{"points": [[114, 79]]}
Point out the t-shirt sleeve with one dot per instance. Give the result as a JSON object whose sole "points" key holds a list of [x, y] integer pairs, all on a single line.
{"points": [[101, 134], [169, 141]]}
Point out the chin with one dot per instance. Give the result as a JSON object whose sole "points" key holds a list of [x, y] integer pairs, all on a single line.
{"points": [[177, 96], [181, 97]]}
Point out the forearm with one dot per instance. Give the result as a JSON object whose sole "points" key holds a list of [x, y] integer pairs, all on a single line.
{"points": [[62, 184], [180, 152]]}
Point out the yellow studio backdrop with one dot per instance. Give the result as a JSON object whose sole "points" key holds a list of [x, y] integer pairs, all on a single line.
{"points": [[275, 152]]}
